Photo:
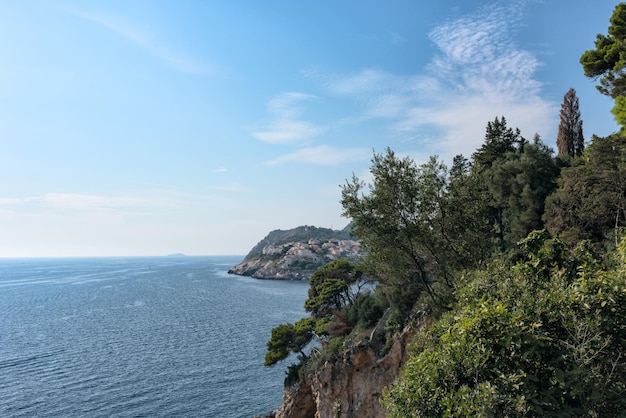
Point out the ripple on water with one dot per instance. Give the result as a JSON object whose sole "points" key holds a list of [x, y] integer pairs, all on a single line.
{"points": [[139, 337]]}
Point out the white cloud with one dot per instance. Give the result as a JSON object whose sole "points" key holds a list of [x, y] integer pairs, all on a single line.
{"points": [[117, 27], [363, 83], [78, 202], [477, 72], [324, 155], [286, 126], [173, 58], [478, 53], [233, 187], [71, 202]]}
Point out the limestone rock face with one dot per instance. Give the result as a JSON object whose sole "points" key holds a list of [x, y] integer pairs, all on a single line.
{"points": [[348, 388], [269, 269]]}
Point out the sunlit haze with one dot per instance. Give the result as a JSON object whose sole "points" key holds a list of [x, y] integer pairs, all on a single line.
{"points": [[197, 127]]}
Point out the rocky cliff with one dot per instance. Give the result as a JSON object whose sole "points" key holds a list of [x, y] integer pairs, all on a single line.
{"points": [[349, 387], [348, 382], [296, 253]]}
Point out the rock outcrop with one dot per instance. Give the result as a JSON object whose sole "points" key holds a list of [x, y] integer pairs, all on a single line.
{"points": [[350, 387], [296, 253]]}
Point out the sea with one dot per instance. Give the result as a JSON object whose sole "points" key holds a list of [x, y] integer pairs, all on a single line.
{"points": [[139, 337]]}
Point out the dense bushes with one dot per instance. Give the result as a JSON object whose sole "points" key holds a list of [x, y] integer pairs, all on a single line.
{"points": [[538, 339]]}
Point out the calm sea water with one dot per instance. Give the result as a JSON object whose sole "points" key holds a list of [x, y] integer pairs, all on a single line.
{"points": [[139, 337]]}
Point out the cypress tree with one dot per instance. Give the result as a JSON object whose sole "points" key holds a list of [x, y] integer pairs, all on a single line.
{"points": [[570, 140]]}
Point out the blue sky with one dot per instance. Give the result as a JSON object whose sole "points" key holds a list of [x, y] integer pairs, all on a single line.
{"points": [[157, 127]]}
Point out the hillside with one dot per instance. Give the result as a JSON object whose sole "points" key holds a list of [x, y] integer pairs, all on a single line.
{"points": [[296, 253]]}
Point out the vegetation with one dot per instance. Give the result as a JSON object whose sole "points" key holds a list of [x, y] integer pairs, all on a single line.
{"points": [[543, 338], [338, 302], [516, 256], [570, 141], [608, 60], [589, 200]]}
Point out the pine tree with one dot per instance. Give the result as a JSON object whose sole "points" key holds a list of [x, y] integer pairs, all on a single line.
{"points": [[570, 140], [499, 139], [606, 63]]}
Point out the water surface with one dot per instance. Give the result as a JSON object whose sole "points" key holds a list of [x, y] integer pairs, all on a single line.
{"points": [[129, 337]]}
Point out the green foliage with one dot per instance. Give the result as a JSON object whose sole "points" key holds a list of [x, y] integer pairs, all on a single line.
{"points": [[414, 222], [533, 340], [279, 346], [305, 264], [510, 179], [332, 287], [608, 60], [619, 111], [287, 339], [526, 322], [368, 308], [499, 140], [517, 185], [293, 374], [424, 224], [589, 202]]}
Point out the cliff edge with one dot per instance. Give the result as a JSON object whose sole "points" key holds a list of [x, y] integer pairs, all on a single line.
{"points": [[348, 387]]}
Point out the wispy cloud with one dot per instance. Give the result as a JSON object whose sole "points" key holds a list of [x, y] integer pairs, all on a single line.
{"points": [[478, 53], [363, 83], [324, 155], [173, 58], [286, 125], [81, 202], [87, 205], [233, 187], [396, 38], [153, 221], [72, 202], [477, 72]]}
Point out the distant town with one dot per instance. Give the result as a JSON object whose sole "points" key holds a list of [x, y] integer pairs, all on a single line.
{"points": [[314, 251], [294, 258]]}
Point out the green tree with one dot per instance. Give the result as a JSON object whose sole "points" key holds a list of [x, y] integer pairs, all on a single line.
{"points": [[607, 62], [289, 338], [589, 202], [368, 308], [520, 183], [499, 140], [333, 286], [389, 220], [410, 226], [515, 177], [570, 141]]}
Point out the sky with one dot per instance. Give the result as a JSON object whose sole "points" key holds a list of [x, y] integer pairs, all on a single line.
{"points": [[132, 128]]}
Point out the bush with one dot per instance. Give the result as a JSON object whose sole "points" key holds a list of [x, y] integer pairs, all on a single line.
{"points": [[293, 374], [368, 308], [531, 340]]}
